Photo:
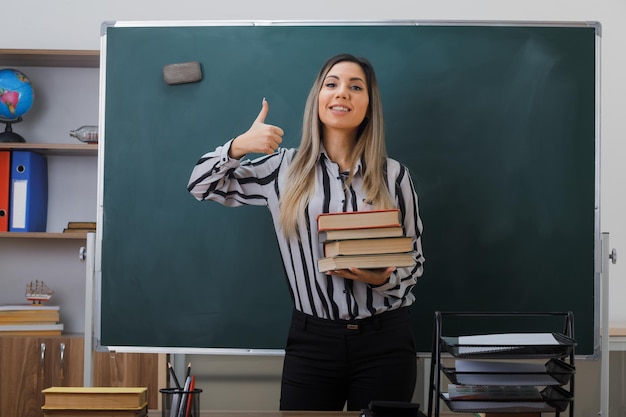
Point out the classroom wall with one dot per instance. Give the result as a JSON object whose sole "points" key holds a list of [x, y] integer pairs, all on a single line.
{"points": [[76, 24]]}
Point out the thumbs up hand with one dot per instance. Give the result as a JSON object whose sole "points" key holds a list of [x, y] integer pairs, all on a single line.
{"points": [[260, 138]]}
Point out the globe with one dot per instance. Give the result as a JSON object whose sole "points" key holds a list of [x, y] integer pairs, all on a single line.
{"points": [[16, 94], [16, 99]]}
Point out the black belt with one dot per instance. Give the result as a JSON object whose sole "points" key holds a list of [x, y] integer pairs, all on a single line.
{"points": [[339, 327]]}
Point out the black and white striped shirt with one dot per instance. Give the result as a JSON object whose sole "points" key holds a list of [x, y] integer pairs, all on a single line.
{"points": [[233, 182]]}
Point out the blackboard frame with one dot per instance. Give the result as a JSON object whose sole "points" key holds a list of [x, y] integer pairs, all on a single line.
{"points": [[591, 349]]}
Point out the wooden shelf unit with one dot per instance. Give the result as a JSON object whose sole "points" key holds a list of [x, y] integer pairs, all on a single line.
{"points": [[55, 149], [86, 149], [43, 235], [49, 58]]}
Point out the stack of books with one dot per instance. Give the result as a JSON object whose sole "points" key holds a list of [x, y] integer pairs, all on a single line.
{"points": [[30, 320], [363, 239], [80, 227], [95, 401]]}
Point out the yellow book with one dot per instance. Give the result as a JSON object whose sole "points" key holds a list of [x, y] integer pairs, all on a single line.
{"points": [[33, 316], [95, 398], [30, 333], [81, 225], [25, 309], [31, 329]]}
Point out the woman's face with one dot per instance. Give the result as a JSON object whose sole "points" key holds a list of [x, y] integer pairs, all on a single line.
{"points": [[343, 98]]}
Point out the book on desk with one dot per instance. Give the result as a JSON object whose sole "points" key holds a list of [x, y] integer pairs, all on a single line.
{"points": [[95, 401]]}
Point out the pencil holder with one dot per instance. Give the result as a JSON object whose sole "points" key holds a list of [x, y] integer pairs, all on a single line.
{"points": [[180, 403]]}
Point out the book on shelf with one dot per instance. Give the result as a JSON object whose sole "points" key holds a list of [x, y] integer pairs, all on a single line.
{"points": [[67, 230], [368, 246], [28, 313], [95, 398], [81, 225], [494, 392], [29, 319], [358, 219], [31, 329], [366, 261], [363, 233], [27, 307], [38, 333], [64, 412]]}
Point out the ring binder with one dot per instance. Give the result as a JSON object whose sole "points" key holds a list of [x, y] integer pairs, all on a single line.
{"points": [[29, 192], [5, 171]]}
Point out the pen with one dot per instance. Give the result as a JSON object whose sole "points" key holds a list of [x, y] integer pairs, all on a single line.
{"points": [[169, 365], [185, 399], [189, 397]]}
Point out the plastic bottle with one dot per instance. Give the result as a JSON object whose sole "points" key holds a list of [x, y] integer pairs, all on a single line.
{"points": [[86, 134]]}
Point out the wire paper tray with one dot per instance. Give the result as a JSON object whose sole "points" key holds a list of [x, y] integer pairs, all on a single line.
{"points": [[553, 399], [562, 347], [554, 372]]}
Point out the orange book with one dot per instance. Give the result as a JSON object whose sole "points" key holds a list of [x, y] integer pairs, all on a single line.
{"points": [[358, 219], [5, 178]]}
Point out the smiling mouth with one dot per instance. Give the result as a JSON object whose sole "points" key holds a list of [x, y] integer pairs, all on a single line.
{"points": [[340, 108]]}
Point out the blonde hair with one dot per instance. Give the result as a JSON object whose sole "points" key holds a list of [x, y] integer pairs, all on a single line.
{"points": [[370, 147]]}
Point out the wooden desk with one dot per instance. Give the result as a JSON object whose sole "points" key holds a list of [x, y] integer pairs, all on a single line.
{"points": [[152, 413], [228, 413], [274, 414]]}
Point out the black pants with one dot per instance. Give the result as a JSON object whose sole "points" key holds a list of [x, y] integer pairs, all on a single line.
{"points": [[331, 362]]}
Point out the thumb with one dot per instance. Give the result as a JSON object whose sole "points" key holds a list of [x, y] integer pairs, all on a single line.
{"points": [[265, 107]]}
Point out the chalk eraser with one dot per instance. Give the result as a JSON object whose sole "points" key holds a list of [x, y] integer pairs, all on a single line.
{"points": [[184, 72]]}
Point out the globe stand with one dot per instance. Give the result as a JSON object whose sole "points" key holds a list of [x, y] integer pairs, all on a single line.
{"points": [[9, 136]]}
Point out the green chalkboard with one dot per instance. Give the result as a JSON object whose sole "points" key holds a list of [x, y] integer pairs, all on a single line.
{"points": [[497, 124]]}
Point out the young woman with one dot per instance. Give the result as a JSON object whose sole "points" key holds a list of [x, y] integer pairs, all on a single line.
{"points": [[350, 339]]}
